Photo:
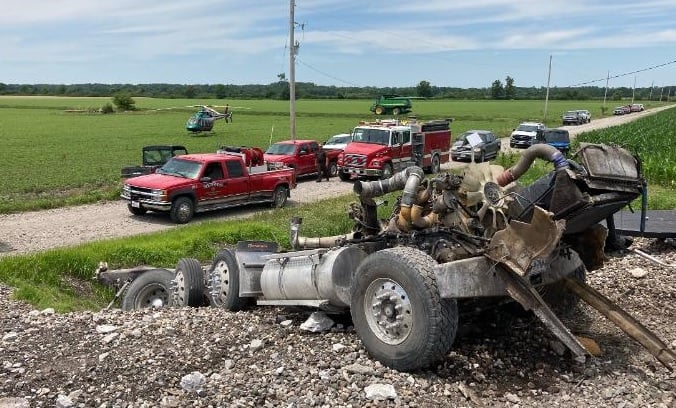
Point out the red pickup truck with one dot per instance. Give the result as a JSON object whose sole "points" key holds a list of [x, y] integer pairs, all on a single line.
{"points": [[300, 155], [194, 183]]}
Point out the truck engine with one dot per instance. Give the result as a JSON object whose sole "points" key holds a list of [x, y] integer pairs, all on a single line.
{"points": [[450, 238]]}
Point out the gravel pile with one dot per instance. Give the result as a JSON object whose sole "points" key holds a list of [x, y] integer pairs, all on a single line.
{"points": [[207, 357]]}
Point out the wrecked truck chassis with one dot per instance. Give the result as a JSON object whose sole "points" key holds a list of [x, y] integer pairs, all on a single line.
{"points": [[448, 238]]}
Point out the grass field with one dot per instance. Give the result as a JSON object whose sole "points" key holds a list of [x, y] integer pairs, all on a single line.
{"points": [[55, 158]]}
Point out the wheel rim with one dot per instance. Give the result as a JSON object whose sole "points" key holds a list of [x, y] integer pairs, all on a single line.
{"points": [[280, 197], [379, 111], [333, 170], [435, 164], [220, 279], [152, 296], [388, 311], [179, 292], [387, 171], [184, 210], [395, 111]]}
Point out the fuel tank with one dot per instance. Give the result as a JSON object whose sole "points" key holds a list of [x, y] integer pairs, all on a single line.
{"points": [[318, 274]]}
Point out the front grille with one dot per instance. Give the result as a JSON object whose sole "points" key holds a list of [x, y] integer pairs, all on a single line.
{"points": [[354, 160]]}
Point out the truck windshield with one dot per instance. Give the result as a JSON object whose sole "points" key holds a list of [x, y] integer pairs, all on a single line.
{"points": [[557, 137], [181, 168], [281, 148], [377, 136], [527, 128]]}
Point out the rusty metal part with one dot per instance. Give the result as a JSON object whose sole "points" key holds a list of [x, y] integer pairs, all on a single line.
{"points": [[520, 243], [632, 327], [524, 293]]}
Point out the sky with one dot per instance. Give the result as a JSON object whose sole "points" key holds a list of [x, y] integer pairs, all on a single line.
{"points": [[450, 43]]}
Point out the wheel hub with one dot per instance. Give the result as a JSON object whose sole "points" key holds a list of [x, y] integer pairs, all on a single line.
{"points": [[220, 282], [388, 311]]}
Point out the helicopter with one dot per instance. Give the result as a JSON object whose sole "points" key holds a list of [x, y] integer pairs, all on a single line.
{"points": [[203, 120]]}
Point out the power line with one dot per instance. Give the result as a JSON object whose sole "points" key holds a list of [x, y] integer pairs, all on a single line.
{"points": [[327, 75], [626, 73]]}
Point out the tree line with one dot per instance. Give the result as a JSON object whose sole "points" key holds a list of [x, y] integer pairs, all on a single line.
{"points": [[308, 90]]}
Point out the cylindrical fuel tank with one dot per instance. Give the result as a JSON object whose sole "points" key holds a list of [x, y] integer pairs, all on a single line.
{"points": [[312, 275]]}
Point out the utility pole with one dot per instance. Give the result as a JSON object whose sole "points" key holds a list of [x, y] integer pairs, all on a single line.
{"points": [[633, 91], [661, 90], [652, 85], [549, 76], [605, 94], [293, 48]]}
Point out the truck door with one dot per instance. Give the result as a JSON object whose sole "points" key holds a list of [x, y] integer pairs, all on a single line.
{"points": [[395, 150], [237, 183], [306, 159], [212, 184], [405, 151]]}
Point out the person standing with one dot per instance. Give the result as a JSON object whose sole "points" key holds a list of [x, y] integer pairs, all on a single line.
{"points": [[322, 168]]}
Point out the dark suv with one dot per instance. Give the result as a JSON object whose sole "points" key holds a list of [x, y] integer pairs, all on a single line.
{"points": [[559, 138]]}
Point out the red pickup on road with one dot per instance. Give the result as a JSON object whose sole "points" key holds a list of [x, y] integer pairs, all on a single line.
{"points": [[300, 155], [194, 183]]}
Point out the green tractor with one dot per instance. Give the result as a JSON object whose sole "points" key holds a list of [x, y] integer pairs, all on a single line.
{"points": [[391, 104]]}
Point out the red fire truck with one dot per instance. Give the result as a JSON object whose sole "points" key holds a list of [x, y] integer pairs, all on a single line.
{"points": [[379, 149]]}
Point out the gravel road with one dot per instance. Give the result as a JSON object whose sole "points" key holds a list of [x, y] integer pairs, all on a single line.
{"points": [[40, 230], [207, 357]]}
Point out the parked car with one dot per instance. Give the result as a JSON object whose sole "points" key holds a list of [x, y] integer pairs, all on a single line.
{"points": [[338, 141], [622, 110], [559, 138], [524, 135], [573, 117], [487, 148], [301, 156], [636, 107], [586, 115]]}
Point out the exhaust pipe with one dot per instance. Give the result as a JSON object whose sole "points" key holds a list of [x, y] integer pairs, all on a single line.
{"points": [[298, 242], [542, 151]]}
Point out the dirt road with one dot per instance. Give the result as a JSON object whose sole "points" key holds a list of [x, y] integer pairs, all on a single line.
{"points": [[40, 230]]}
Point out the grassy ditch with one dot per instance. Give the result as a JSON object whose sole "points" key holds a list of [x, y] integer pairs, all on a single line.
{"points": [[62, 278]]}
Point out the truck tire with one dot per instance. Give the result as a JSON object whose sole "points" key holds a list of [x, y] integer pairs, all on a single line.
{"points": [[344, 176], [189, 283], [279, 196], [182, 210], [396, 111], [387, 171], [379, 110], [223, 278], [397, 312], [150, 289], [333, 169], [136, 210]]}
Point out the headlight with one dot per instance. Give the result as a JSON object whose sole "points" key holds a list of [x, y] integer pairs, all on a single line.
{"points": [[159, 195], [126, 188], [477, 150], [375, 163]]}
